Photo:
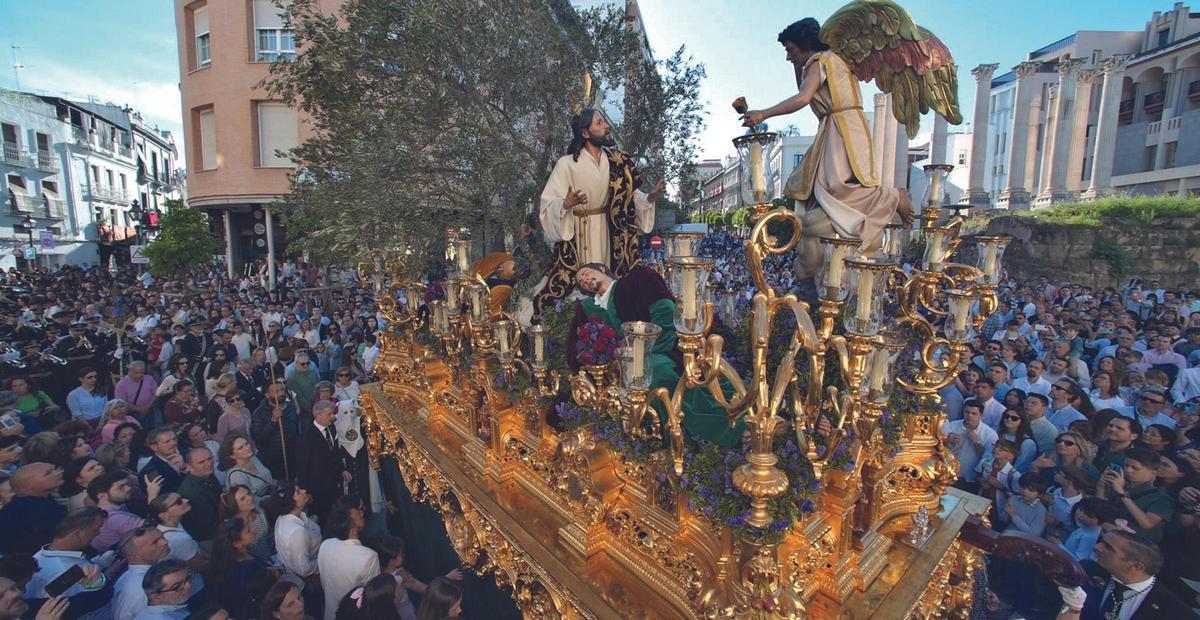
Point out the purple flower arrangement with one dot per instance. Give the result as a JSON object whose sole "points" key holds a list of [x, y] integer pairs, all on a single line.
{"points": [[708, 481], [608, 430], [597, 342]]}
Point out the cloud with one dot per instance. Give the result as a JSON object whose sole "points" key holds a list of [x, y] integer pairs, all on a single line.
{"points": [[158, 101]]}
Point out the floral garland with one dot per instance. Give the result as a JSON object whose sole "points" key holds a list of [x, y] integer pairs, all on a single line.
{"points": [[597, 342], [708, 481], [608, 430]]}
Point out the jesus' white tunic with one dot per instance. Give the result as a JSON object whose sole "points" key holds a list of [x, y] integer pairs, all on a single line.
{"points": [[591, 233]]}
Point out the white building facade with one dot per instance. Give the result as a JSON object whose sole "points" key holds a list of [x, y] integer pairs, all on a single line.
{"points": [[1092, 114], [77, 169]]}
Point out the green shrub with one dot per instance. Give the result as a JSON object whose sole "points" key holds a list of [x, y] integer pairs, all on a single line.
{"points": [[1117, 211], [1114, 254]]}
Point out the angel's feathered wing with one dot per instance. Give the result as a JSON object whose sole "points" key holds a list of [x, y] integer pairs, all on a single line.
{"points": [[880, 41]]}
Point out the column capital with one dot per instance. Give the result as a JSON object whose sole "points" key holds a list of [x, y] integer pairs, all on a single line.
{"points": [[1068, 66], [984, 72], [1116, 63], [1026, 69], [1087, 76]]}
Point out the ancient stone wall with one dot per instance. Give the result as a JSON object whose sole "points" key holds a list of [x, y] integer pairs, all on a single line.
{"points": [[1168, 249]]}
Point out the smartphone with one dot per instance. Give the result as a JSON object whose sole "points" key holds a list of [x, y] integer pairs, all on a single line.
{"points": [[8, 420], [63, 582]]}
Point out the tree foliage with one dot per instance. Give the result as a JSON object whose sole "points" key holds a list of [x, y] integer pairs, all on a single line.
{"points": [[184, 240], [439, 114]]}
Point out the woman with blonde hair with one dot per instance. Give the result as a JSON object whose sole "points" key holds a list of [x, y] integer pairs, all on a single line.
{"points": [[1070, 448], [115, 413]]}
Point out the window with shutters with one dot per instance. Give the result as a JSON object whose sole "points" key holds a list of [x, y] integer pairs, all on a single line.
{"points": [[273, 40], [200, 28], [206, 123], [278, 133]]}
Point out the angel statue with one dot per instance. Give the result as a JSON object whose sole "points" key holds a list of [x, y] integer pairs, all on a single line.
{"points": [[864, 40]]}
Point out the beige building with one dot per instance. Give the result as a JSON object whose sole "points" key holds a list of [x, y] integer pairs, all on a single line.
{"points": [[235, 134], [1092, 114]]}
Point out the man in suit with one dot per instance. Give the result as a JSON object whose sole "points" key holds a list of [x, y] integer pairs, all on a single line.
{"points": [[321, 469], [245, 383], [1132, 592], [165, 462]]}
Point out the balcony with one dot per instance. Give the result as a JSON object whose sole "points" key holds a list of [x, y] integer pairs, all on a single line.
{"points": [[55, 208], [1153, 103], [112, 234], [1125, 111], [14, 157], [46, 162], [107, 194], [19, 204]]}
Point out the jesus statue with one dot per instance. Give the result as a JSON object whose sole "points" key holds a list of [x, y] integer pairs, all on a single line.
{"points": [[592, 208]]}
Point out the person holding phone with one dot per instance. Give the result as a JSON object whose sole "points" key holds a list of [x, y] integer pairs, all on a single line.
{"points": [[65, 570]]}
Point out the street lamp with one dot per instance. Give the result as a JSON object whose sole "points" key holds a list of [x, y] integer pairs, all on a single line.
{"points": [[29, 224], [136, 211]]}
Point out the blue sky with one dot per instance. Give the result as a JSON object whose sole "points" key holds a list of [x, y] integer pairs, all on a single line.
{"points": [[124, 51]]}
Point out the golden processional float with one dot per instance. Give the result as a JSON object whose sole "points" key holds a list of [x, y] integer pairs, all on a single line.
{"points": [[836, 504]]}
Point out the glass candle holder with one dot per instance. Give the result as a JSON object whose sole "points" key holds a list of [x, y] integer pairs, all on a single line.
{"points": [[938, 244], [637, 368], [935, 183], [878, 380], [689, 283], [683, 244], [753, 153], [439, 323], [537, 343], [893, 242], [991, 251], [864, 307], [413, 292], [454, 300], [958, 326], [505, 332], [477, 296], [832, 283], [462, 256]]}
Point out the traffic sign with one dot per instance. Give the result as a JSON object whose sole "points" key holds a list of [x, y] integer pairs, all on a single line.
{"points": [[136, 255]]}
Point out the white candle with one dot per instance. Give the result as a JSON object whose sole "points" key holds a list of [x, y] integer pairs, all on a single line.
{"points": [[989, 262], [639, 360], [539, 348], [879, 365], [689, 294], [452, 303], [836, 267], [935, 252], [464, 259], [866, 293], [758, 177], [502, 340], [960, 307]]}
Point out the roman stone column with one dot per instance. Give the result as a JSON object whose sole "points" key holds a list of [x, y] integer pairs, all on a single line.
{"points": [[1080, 117], [1016, 193], [1106, 127], [976, 195], [1058, 136]]}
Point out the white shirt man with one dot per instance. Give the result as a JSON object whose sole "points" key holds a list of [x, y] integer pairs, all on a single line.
{"points": [[969, 438], [344, 562], [297, 539], [141, 552], [1033, 385]]}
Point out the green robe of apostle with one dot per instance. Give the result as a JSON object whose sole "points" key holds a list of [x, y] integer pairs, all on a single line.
{"points": [[643, 296]]}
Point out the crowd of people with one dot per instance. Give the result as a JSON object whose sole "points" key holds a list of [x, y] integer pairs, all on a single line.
{"points": [[192, 447], [1078, 414]]}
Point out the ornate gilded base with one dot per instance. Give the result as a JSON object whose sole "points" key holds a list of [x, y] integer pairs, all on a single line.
{"points": [[577, 532]]}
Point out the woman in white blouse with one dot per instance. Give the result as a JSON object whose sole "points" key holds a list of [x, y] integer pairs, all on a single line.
{"points": [[297, 536], [1105, 393], [344, 387], [168, 511], [241, 467]]}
